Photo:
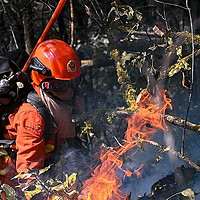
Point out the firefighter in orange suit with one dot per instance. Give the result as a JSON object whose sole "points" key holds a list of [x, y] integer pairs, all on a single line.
{"points": [[55, 73]]}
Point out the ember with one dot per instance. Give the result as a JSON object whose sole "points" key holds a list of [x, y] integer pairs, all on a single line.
{"points": [[105, 183]]}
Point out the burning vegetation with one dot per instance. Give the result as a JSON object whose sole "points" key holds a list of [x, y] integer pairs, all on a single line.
{"points": [[105, 183], [129, 148]]}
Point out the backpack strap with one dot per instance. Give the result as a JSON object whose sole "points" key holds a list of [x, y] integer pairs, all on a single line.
{"points": [[36, 101]]}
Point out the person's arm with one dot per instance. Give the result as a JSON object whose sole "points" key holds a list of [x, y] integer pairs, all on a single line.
{"points": [[30, 142]]}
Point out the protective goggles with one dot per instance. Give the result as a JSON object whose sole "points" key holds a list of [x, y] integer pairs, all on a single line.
{"points": [[56, 85]]}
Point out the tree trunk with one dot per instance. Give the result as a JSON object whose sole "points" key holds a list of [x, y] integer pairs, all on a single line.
{"points": [[29, 36]]}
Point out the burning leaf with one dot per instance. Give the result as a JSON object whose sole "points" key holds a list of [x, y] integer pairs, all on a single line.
{"points": [[188, 193], [9, 191], [41, 171], [72, 179], [128, 173]]}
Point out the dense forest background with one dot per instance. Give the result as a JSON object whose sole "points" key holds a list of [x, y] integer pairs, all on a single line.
{"points": [[95, 28], [125, 47]]}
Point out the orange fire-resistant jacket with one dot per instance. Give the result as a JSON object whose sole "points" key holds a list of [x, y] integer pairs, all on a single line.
{"points": [[27, 127]]}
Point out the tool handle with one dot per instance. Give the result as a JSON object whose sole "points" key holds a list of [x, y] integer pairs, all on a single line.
{"points": [[46, 30]]}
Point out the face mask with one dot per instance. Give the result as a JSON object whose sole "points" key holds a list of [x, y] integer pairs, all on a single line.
{"points": [[62, 115]]}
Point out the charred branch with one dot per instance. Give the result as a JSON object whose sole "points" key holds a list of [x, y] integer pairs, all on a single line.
{"points": [[169, 149], [181, 122], [171, 119]]}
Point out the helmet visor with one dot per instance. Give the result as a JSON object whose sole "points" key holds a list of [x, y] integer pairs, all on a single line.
{"points": [[56, 85]]}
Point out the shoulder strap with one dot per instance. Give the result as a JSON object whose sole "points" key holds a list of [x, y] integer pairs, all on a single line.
{"points": [[35, 101]]}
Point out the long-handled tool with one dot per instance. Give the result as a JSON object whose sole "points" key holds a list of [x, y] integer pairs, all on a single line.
{"points": [[46, 30]]}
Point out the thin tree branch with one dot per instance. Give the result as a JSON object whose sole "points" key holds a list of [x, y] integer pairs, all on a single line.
{"points": [[96, 11], [72, 23], [171, 4], [101, 11], [164, 16], [192, 79], [169, 149], [11, 29], [180, 122], [92, 16], [115, 139], [124, 114]]}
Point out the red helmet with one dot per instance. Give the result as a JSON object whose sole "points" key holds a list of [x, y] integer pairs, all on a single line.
{"points": [[54, 59]]}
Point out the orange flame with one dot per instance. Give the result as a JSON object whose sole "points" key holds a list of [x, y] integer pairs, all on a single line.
{"points": [[104, 183]]}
